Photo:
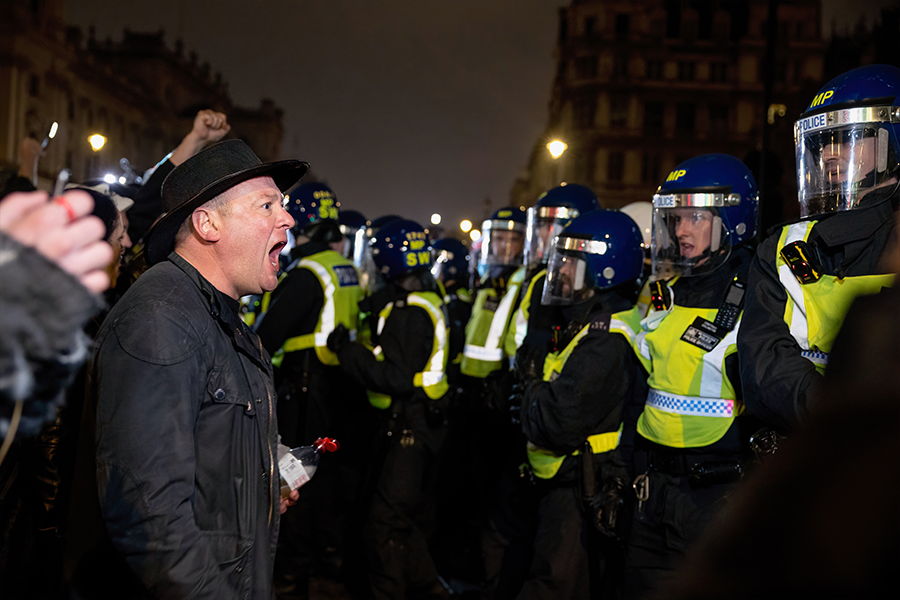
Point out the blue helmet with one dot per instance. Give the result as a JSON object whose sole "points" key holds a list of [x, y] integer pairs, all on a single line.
{"points": [[705, 207], [400, 248], [352, 219], [848, 141], [554, 210], [451, 260], [503, 237], [599, 249], [311, 203]]}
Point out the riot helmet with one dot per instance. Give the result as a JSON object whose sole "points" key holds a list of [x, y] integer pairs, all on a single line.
{"points": [[598, 250], [705, 207], [503, 238], [451, 261], [315, 209], [400, 248], [848, 141], [554, 210]]}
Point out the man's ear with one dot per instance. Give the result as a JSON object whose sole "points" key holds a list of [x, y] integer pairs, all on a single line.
{"points": [[206, 224]]}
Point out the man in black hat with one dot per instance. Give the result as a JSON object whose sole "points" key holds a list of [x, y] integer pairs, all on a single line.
{"points": [[184, 432]]}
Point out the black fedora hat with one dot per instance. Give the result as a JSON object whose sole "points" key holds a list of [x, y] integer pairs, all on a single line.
{"points": [[206, 175]]}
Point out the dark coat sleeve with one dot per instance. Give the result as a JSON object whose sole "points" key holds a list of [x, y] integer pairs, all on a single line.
{"points": [[41, 341], [774, 375], [293, 310], [586, 398], [406, 342]]}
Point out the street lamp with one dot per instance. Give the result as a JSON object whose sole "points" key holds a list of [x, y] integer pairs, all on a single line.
{"points": [[465, 225], [475, 235], [97, 142], [435, 219], [556, 148]]}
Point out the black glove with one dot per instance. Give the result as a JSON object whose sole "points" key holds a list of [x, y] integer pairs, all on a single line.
{"points": [[338, 339]]}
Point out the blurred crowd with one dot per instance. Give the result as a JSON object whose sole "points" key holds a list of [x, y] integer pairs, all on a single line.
{"points": [[657, 401]]}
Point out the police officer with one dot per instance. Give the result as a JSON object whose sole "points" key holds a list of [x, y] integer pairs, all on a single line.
{"points": [[502, 246], [451, 270], [319, 291], [407, 365], [690, 436], [572, 415], [526, 343], [804, 279], [553, 210]]}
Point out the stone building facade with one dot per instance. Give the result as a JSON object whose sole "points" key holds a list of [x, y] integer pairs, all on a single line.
{"points": [[138, 93], [642, 86]]}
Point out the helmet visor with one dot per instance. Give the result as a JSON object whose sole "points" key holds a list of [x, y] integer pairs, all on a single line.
{"points": [[502, 243], [443, 267], [544, 224], [688, 241], [569, 279], [837, 165]]}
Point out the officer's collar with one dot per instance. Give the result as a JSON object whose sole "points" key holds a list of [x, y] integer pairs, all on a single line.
{"points": [[857, 224], [308, 249]]}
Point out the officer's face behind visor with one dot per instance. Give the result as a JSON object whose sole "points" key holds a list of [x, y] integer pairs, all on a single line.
{"points": [[544, 224], [839, 166], [569, 280], [688, 241], [502, 243]]}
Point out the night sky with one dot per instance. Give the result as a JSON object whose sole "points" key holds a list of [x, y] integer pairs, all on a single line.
{"points": [[402, 106], [408, 107]]}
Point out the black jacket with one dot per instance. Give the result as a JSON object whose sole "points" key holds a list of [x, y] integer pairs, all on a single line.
{"points": [[601, 375], [186, 458], [776, 379], [406, 341]]}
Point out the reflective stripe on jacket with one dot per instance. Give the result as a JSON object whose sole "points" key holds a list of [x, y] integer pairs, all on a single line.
{"points": [[518, 328], [433, 380], [546, 464], [815, 311], [483, 352], [691, 402], [340, 287]]}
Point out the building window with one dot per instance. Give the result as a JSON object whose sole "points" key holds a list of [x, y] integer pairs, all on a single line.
{"points": [[620, 67], [586, 67], [590, 26], [584, 110], [685, 116], [718, 72], [623, 24], [618, 110], [685, 70], [616, 167], [655, 69], [650, 169], [653, 116], [718, 118]]}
